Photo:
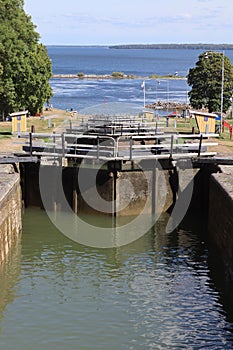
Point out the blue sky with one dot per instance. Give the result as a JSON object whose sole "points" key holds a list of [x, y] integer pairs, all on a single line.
{"points": [[105, 22]]}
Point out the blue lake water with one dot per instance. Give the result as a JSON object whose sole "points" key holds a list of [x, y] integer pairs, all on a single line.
{"points": [[81, 94]]}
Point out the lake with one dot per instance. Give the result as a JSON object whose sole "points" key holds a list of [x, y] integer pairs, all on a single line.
{"points": [[81, 94]]}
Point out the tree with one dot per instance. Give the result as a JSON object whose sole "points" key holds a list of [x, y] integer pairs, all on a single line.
{"points": [[25, 67], [206, 82]]}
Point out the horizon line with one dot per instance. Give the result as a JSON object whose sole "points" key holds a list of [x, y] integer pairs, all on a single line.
{"points": [[141, 44]]}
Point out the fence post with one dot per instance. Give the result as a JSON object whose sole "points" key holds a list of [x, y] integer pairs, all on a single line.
{"points": [[30, 142], [200, 143], [54, 142], [116, 152], [98, 147], [63, 144], [172, 141], [131, 148]]}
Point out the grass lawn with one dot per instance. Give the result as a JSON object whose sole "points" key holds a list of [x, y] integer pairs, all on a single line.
{"points": [[42, 125], [5, 130], [57, 117]]}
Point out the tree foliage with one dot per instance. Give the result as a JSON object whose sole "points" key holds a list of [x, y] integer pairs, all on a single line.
{"points": [[25, 67], [206, 82]]}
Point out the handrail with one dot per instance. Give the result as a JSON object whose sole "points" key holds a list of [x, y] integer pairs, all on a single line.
{"points": [[126, 147]]}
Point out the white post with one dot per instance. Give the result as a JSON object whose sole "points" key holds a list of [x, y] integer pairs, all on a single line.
{"points": [[156, 90], [145, 96], [167, 96], [168, 91], [144, 90]]}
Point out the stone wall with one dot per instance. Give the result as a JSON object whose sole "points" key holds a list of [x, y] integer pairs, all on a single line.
{"points": [[10, 209]]}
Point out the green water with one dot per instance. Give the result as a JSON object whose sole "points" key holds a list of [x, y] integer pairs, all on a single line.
{"points": [[155, 293]]}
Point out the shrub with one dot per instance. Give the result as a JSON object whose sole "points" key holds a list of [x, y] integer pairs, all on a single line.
{"points": [[118, 75]]}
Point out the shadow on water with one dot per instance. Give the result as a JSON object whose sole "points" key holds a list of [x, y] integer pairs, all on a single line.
{"points": [[163, 290], [222, 278], [220, 271]]}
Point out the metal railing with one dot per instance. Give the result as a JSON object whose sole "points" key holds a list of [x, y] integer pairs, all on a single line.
{"points": [[123, 147]]}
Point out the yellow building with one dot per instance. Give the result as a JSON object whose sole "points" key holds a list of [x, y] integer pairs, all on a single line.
{"points": [[19, 121], [148, 115], [205, 121]]}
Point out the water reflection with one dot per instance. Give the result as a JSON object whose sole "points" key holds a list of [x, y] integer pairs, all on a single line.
{"points": [[156, 293], [9, 275]]}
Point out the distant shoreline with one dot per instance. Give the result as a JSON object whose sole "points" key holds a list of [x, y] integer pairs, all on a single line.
{"points": [[198, 46], [175, 46], [121, 76]]}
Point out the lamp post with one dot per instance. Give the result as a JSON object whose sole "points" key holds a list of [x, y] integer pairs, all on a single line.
{"points": [[167, 91], [232, 107], [222, 91], [184, 75]]}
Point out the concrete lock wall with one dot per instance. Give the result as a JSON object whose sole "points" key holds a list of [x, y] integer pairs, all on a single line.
{"points": [[133, 192], [148, 191], [10, 208], [128, 192], [125, 191], [93, 188], [221, 215]]}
